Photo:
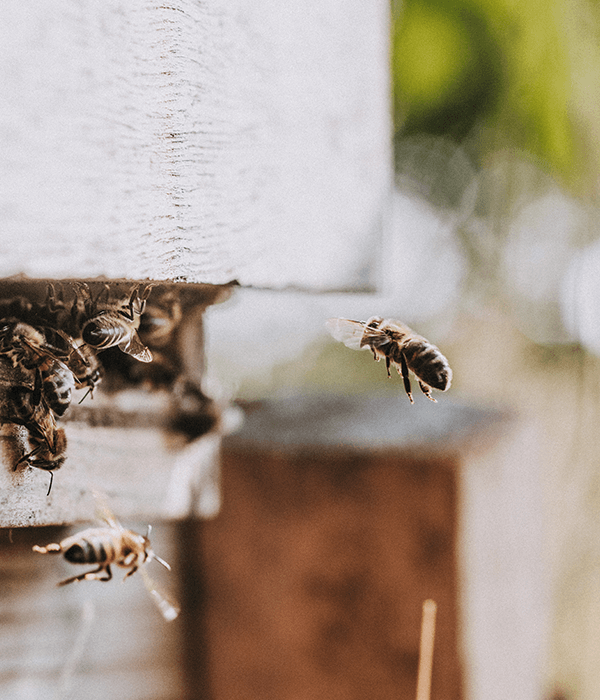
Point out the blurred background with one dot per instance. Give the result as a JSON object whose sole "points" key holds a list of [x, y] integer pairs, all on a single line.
{"points": [[492, 251]]}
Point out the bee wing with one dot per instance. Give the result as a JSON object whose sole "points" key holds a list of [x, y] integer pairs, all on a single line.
{"points": [[133, 346], [103, 512], [168, 609], [348, 332], [353, 333]]}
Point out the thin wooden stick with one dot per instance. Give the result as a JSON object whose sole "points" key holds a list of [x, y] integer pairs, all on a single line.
{"points": [[426, 650]]}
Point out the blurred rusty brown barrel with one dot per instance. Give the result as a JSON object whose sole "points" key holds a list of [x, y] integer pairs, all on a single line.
{"points": [[339, 518]]}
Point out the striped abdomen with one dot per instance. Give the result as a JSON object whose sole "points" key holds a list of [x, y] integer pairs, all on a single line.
{"points": [[93, 546], [427, 363], [58, 383], [106, 331]]}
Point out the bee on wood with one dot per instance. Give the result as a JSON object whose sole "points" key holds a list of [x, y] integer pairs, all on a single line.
{"points": [[27, 347], [400, 346], [112, 545], [115, 325], [27, 407]]}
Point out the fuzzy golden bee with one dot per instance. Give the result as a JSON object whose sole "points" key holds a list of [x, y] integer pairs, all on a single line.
{"points": [[400, 346], [112, 545]]}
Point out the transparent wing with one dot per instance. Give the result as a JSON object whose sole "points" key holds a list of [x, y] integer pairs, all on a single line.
{"points": [[353, 333], [168, 609], [346, 331], [103, 512], [133, 346]]}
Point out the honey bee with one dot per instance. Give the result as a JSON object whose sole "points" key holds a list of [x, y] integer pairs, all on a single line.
{"points": [[115, 325], [160, 320], [112, 545], [27, 347], [86, 368], [400, 346], [48, 443]]}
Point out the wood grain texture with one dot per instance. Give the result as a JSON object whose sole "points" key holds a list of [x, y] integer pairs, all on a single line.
{"points": [[194, 141], [134, 466]]}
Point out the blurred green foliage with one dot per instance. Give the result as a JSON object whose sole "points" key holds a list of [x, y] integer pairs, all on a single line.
{"points": [[521, 74]]}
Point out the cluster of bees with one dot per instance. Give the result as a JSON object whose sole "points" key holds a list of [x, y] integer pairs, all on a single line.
{"points": [[49, 350]]}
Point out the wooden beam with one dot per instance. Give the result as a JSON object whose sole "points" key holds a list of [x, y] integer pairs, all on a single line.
{"points": [[195, 141]]}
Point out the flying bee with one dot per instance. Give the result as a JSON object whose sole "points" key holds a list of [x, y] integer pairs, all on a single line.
{"points": [[115, 325], [110, 545], [400, 346]]}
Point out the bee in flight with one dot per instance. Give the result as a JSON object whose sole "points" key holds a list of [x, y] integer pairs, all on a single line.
{"points": [[400, 346], [115, 325], [109, 545]]}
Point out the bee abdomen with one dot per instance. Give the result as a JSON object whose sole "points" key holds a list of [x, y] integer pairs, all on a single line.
{"points": [[90, 550], [103, 332], [58, 387], [428, 364]]}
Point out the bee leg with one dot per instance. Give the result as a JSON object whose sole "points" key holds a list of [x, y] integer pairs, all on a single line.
{"points": [[48, 549], [131, 571], [387, 366], [89, 576], [95, 302], [90, 304], [25, 458], [50, 484], [52, 302], [89, 392], [427, 391], [145, 294], [405, 377], [127, 309]]}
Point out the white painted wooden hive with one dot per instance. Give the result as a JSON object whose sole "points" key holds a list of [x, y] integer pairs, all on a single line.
{"points": [[203, 142], [193, 145]]}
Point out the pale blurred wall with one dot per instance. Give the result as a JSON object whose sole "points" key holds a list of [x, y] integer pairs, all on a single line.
{"points": [[512, 340]]}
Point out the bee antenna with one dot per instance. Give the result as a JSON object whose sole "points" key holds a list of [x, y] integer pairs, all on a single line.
{"points": [[161, 561], [89, 391]]}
